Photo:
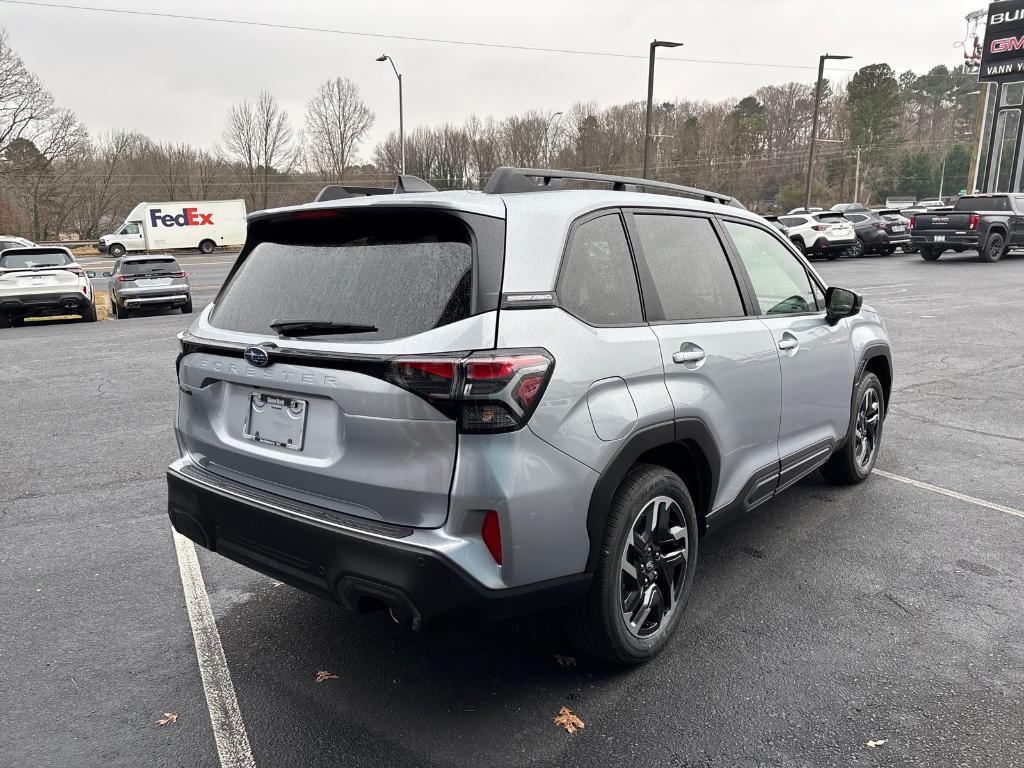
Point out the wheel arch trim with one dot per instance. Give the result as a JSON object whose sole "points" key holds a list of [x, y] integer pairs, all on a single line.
{"points": [[687, 435]]}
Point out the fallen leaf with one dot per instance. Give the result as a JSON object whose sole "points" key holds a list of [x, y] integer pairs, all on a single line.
{"points": [[876, 743], [565, 661], [169, 717], [322, 675], [568, 720]]}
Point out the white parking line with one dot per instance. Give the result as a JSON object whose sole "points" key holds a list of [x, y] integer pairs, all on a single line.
{"points": [[951, 494], [225, 716]]}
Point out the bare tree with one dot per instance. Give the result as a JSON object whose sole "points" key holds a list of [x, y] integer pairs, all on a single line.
{"points": [[260, 140], [336, 122]]}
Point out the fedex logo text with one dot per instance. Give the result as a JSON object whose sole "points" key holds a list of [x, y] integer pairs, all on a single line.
{"points": [[189, 217]]}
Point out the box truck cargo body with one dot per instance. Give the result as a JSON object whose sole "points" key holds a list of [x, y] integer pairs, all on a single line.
{"points": [[202, 224]]}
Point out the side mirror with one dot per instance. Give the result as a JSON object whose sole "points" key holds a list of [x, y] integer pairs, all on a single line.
{"points": [[840, 303], [90, 274], [107, 274]]}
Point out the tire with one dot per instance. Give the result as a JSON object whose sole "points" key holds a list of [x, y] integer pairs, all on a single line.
{"points": [[116, 250], [186, 308], [858, 249], [929, 253], [889, 250], [799, 244], [994, 248], [89, 314], [853, 462], [207, 246], [832, 255], [5, 321], [598, 624], [909, 248], [119, 313]]}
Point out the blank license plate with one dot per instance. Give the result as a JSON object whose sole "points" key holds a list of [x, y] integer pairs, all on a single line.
{"points": [[277, 420], [898, 228], [153, 281], [939, 238]]}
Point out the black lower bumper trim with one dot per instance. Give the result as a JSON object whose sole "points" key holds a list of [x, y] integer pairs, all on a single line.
{"points": [[361, 571], [31, 305]]}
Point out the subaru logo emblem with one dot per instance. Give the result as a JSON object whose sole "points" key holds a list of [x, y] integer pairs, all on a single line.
{"points": [[257, 356]]}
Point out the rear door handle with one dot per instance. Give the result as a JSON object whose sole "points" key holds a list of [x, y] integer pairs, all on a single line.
{"points": [[688, 353]]}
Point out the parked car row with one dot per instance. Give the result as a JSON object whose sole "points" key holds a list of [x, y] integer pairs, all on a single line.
{"points": [[48, 281]]}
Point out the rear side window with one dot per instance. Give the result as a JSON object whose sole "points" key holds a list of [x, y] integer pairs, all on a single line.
{"points": [[792, 221], [148, 266], [690, 271], [401, 272], [33, 260], [856, 217], [598, 282]]}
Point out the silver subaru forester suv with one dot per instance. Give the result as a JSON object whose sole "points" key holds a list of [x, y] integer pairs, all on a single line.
{"points": [[533, 396]]}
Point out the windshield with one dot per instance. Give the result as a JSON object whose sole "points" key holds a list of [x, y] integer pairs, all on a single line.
{"points": [[982, 204], [401, 274], [33, 260]]}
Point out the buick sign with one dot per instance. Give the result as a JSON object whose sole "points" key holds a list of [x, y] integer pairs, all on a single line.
{"points": [[257, 356]]}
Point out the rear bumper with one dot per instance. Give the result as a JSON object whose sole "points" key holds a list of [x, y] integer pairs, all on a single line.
{"points": [[361, 564], [32, 305], [823, 245], [951, 240], [175, 299]]}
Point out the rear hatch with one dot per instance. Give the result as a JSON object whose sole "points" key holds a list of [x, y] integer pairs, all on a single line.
{"points": [[28, 272], [837, 226], [317, 412], [156, 276]]}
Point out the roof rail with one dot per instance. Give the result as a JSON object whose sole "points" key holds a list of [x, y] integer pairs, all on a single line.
{"points": [[404, 184], [513, 180]]}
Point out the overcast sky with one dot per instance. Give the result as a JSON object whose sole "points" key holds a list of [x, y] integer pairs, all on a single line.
{"points": [[174, 80]]}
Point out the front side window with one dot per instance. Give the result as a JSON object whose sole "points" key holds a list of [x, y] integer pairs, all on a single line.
{"points": [[780, 281], [129, 229], [598, 282], [689, 268]]}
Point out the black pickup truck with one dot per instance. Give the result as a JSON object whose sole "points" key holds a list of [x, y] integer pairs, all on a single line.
{"points": [[991, 223]]}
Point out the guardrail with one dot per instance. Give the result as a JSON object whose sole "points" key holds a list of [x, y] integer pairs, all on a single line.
{"points": [[68, 243]]}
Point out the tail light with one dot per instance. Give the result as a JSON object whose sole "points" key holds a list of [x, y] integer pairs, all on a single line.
{"points": [[821, 227], [124, 278], [975, 219], [913, 221], [485, 392], [177, 274], [878, 224], [77, 271], [490, 532]]}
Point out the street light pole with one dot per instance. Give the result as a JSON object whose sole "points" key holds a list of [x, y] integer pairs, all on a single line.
{"points": [[650, 100], [814, 124], [401, 116], [547, 145]]}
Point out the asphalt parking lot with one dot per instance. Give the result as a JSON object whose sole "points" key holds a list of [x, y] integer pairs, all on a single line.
{"points": [[831, 617]]}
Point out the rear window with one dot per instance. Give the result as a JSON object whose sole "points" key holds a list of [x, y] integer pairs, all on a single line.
{"points": [[402, 272], [149, 266], [982, 204], [33, 260]]}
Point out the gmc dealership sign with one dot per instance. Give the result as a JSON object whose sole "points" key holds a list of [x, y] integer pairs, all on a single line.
{"points": [[1002, 59]]}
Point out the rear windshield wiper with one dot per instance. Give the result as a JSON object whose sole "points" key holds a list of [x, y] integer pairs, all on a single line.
{"points": [[317, 327]]}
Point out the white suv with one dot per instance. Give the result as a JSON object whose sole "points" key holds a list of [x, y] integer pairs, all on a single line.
{"points": [[825, 234], [43, 282]]}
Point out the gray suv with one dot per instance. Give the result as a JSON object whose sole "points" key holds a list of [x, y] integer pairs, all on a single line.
{"points": [[148, 282], [495, 402]]}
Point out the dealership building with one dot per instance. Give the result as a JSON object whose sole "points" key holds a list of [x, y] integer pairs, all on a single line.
{"points": [[1000, 165]]}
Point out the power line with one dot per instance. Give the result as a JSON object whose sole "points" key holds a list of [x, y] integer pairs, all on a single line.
{"points": [[406, 38]]}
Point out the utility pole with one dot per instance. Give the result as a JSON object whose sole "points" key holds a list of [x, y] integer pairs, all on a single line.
{"points": [[814, 125], [650, 100], [856, 180]]}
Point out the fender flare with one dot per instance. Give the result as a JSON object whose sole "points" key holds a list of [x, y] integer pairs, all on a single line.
{"points": [[687, 434]]}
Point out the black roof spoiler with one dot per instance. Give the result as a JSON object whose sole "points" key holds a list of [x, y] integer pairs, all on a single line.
{"points": [[771, 217], [403, 185], [505, 181], [827, 214], [883, 211]]}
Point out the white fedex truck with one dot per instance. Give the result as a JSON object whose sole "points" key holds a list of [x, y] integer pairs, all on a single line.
{"points": [[203, 224]]}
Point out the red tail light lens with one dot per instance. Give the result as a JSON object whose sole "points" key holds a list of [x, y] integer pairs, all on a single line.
{"points": [[820, 228], [975, 219], [77, 270], [913, 221], [123, 278], [485, 391], [490, 532], [878, 224]]}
